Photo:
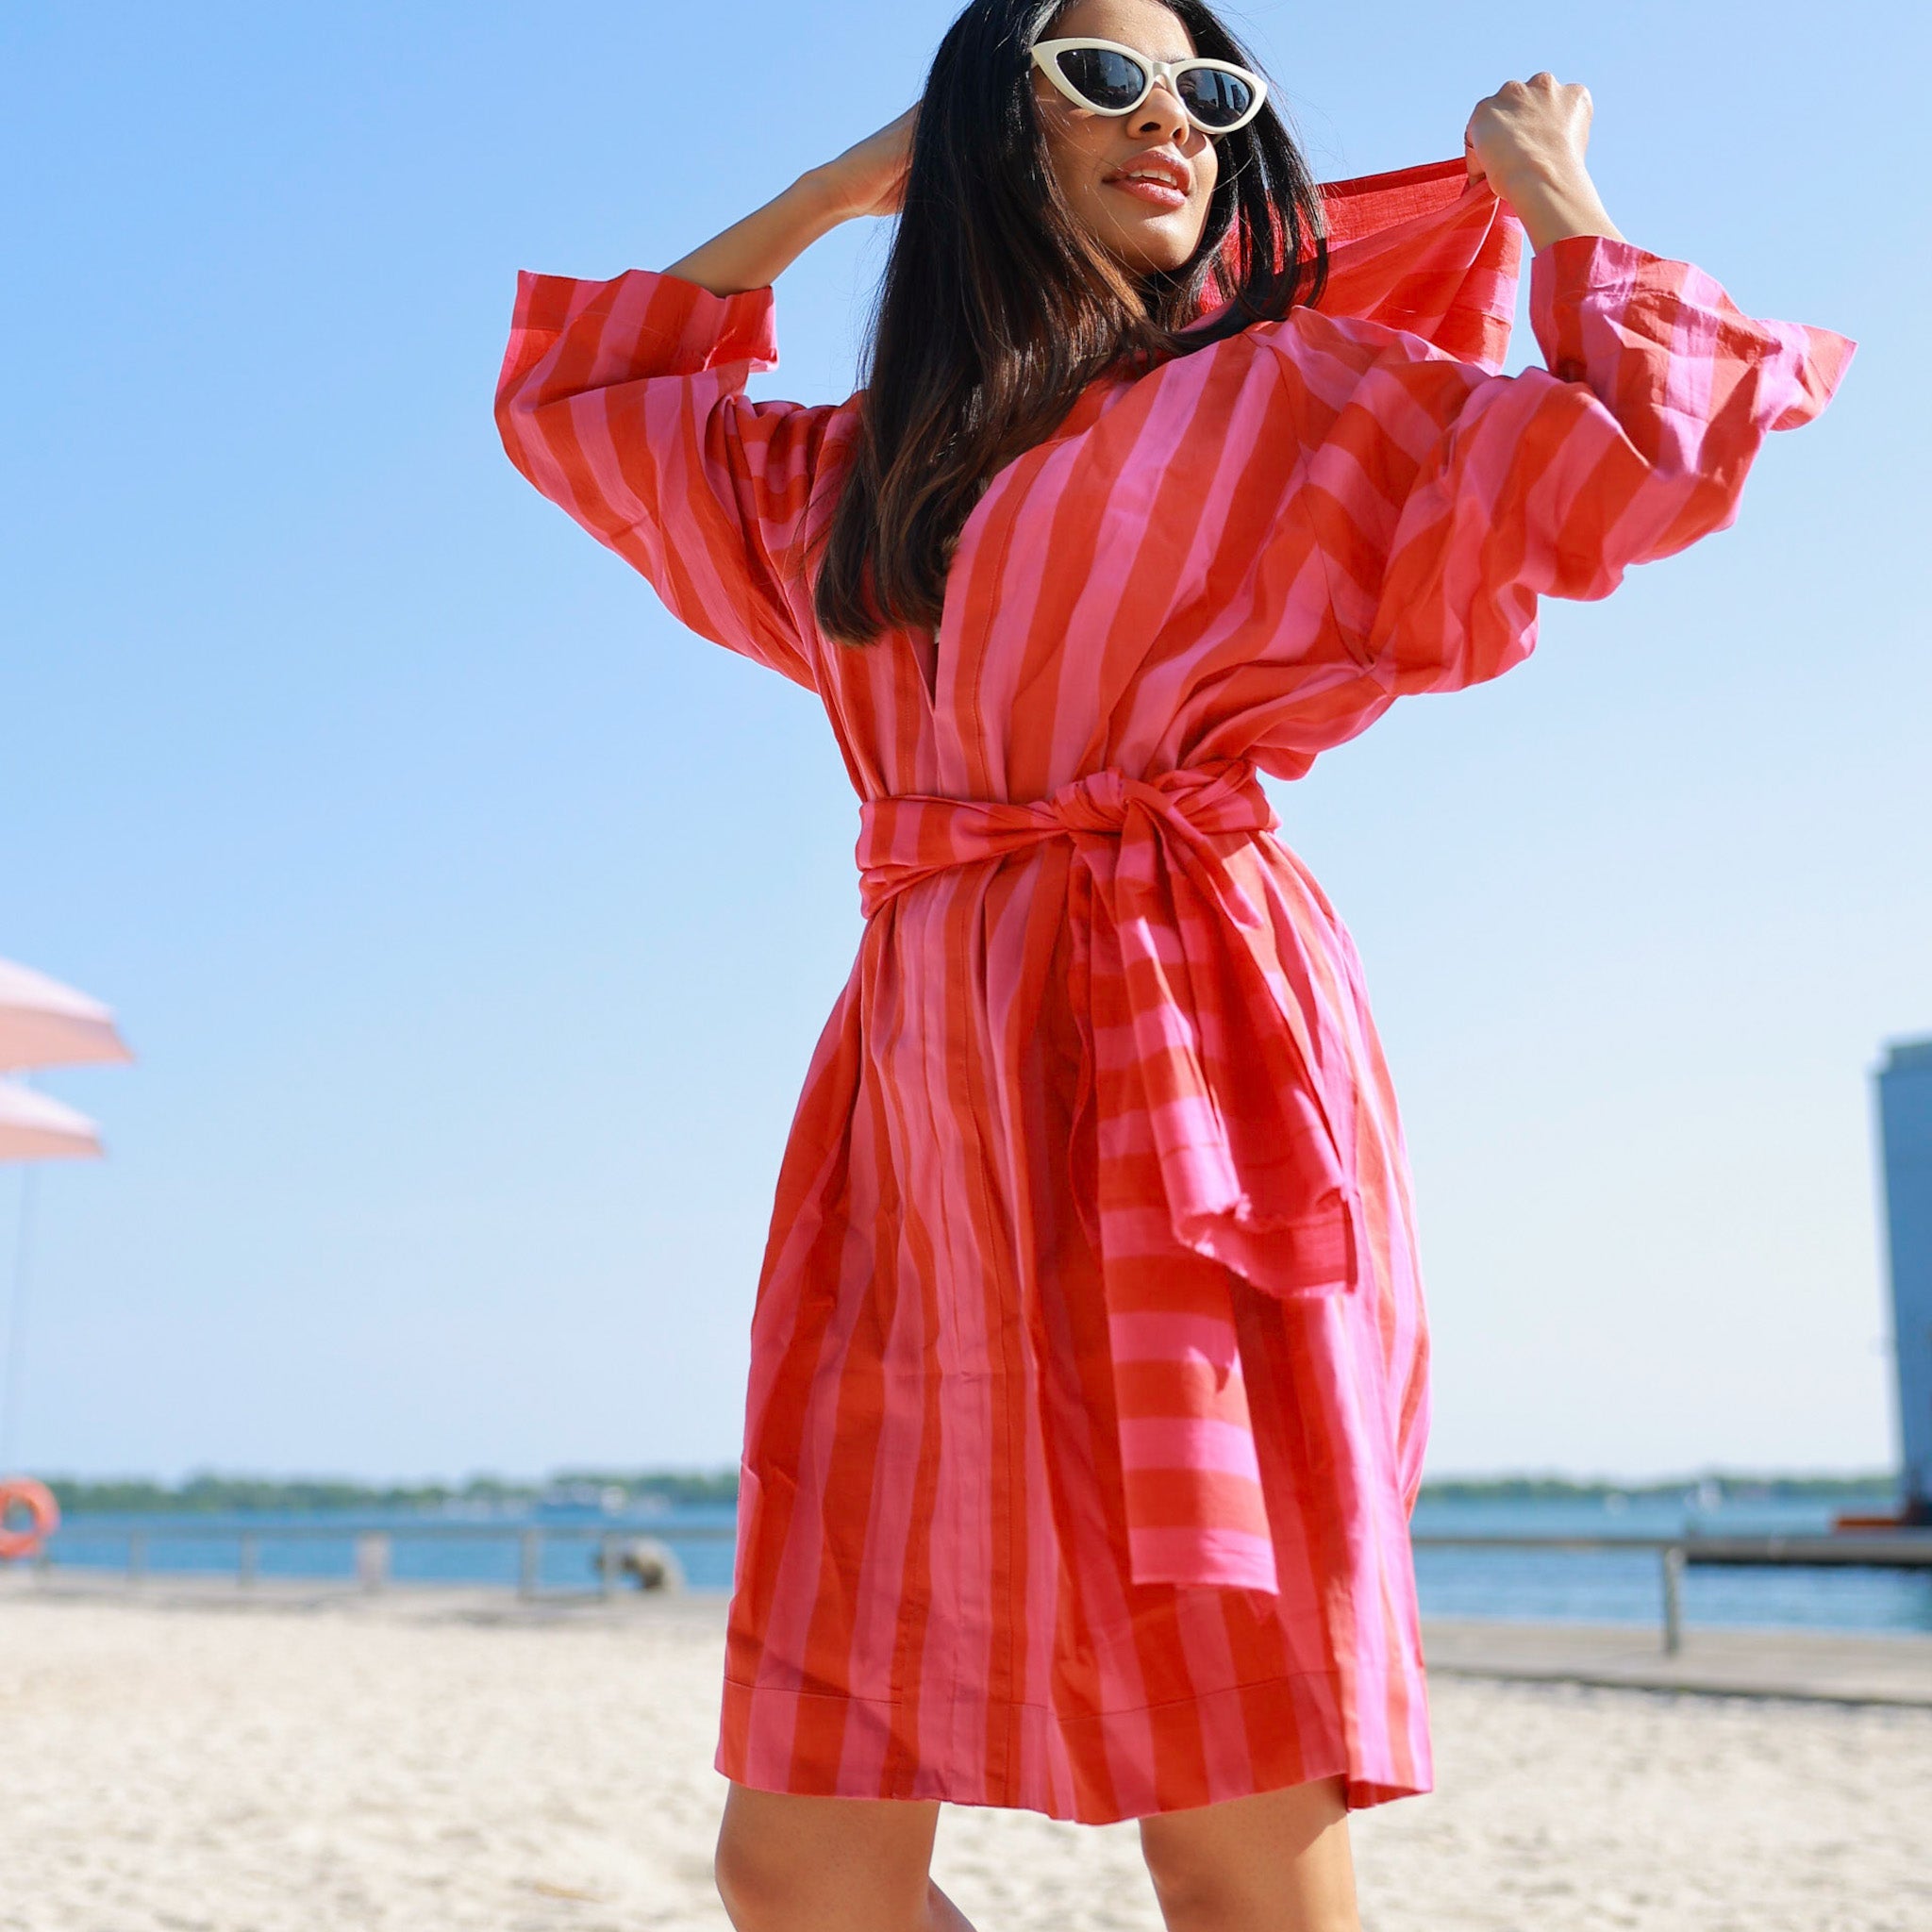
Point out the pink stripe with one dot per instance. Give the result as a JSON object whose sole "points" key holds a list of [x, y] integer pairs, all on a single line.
{"points": [[1239, 1560], [1161, 1338], [1225, 1745], [1188, 1442]]}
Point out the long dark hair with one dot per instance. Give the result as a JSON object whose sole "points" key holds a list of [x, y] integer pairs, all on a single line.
{"points": [[997, 310]]}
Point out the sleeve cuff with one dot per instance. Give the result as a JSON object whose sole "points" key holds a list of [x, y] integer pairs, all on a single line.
{"points": [[675, 328], [1609, 315]]}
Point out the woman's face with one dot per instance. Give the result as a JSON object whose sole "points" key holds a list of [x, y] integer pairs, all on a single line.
{"points": [[1138, 183]]}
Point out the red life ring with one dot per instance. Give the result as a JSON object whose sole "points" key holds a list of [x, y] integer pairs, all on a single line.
{"points": [[37, 1499]]}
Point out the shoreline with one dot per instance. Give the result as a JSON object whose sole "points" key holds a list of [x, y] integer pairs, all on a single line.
{"points": [[1878, 1667]]}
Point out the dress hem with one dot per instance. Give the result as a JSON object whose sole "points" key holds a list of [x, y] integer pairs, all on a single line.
{"points": [[1095, 1769]]}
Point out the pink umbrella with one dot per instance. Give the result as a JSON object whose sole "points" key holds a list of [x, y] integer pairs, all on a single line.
{"points": [[33, 1128], [43, 1023]]}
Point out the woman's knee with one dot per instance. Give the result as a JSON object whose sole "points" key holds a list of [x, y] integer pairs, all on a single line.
{"points": [[1278, 1862], [788, 1864], [1198, 1893], [768, 1881], [750, 1882]]}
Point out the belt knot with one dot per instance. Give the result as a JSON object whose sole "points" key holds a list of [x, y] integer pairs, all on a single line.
{"points": [[904, 840], [1097, 803]]}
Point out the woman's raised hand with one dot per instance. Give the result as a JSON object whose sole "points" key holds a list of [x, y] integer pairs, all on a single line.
{"points": [[1539, 126], [1530, 139], [869, 179]]}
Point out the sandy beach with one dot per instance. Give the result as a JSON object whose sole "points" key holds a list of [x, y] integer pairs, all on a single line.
{"points": [[432, 1764]]}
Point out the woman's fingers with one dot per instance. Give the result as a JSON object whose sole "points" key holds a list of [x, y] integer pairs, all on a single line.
{"points": [[897, 137], [871, 174], [1530, 139], [1541, 124]]}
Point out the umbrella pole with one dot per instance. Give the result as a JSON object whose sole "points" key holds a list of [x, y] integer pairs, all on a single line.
{"points": [[16, 1322]]}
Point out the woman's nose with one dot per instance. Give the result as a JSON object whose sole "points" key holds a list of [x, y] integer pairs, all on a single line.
{"points": [[1161, 113]]}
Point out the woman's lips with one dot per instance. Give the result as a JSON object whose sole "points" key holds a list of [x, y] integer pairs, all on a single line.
{"points": [[1161, 194]]}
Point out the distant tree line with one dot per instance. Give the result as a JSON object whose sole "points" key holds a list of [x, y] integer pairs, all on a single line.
{"points": [[221, 1495], [1730, 1489]]}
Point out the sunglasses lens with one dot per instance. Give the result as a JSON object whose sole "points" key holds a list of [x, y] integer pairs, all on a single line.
{"points": [[1105, 79], [1215, 99]]}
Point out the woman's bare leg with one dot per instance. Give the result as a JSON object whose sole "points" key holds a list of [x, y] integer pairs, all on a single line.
{"points": [[830, 1865], [1276, 1863]]}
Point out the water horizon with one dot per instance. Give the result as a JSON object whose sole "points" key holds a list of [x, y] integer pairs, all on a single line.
{"points": [[1611, 1586]]}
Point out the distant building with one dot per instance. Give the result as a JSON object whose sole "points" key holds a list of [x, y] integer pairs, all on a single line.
{"points": [[1905, 1111]]}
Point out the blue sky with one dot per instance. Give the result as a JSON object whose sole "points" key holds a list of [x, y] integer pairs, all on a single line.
{"points": [[475, 924]]}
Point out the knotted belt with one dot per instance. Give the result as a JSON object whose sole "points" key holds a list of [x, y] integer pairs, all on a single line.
{"points": [[1207, 1051]]}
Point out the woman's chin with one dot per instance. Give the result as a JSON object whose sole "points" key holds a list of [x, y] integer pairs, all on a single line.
{"points": [[1151, 248], [1158, 261]]}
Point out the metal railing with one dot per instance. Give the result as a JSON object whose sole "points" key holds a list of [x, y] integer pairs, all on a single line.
{"points": [[375, 1549], [1838, 1550]]}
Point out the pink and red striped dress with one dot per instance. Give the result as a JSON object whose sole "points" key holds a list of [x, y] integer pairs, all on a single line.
{"points": [[1088, 1369]]}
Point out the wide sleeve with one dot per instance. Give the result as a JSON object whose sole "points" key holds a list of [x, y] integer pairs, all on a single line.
{"points": [[624, 403], [1446, 500]]}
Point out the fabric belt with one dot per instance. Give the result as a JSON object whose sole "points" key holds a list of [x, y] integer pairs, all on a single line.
{"points": [[1207, 1047]]}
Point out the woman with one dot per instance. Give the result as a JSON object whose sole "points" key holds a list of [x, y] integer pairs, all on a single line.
{"points": [[1087, 1390]]}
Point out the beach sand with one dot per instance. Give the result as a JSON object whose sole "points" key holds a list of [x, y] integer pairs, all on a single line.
{"points": [[441, 1765]]}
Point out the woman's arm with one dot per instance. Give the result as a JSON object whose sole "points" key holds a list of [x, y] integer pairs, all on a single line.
{"points": [[868, 179], [1529, 139]]}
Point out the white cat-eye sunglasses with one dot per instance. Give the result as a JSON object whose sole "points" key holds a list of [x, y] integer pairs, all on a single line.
{"points": [[1217, 96]]}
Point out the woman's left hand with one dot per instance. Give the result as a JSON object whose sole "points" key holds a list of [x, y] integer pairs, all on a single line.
{"points": [[1538, 127], [1528, 139]]}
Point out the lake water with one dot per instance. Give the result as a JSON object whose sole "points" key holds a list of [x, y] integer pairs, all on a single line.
{"points": [[1613, 1587], [1617, 1587]]}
